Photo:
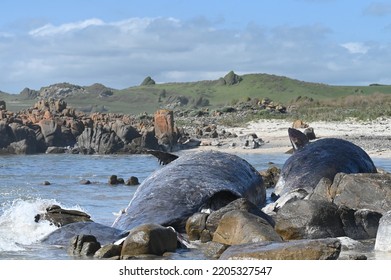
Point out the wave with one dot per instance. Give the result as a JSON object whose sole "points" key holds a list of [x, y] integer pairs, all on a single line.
{"points": [[17, 226]]}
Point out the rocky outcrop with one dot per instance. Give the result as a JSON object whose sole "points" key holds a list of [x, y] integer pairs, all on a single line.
{"points": [[148, 81], [51, 126], [165, 130]]}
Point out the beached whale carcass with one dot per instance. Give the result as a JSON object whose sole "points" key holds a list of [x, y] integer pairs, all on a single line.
{"points": [[323, 158], [207, 179]]}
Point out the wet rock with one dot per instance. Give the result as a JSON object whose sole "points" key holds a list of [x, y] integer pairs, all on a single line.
{"points": [[60, 217], [240, 227], [359, 224], [305, 249], [109, 251], [149, 239], [85, 182], [213, 250], [270, 176], [195, 225], [114, 180], [238, 204], [132, 181], [370, 191], [83, 245], [310, 219]]}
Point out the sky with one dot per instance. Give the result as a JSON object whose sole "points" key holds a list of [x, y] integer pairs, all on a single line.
{"points": [[120, 42]]}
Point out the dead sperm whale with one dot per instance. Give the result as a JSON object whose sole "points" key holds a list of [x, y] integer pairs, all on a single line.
{"points": [[207, 179], [326, 157], [173, 193]]}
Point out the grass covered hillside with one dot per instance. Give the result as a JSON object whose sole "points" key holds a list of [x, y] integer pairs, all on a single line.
{"points": [[308, 99]]}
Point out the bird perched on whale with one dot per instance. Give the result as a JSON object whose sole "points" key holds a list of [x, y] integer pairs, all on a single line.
{"points": [[323, 158]]}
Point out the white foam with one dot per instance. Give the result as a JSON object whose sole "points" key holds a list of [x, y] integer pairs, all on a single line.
{"points": [[17, 225]]}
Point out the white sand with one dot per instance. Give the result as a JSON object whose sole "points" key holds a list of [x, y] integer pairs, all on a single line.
{"points": [[370, 135]]}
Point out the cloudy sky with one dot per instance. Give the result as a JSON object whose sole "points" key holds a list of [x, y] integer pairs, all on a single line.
{"points": [[120, 42]]}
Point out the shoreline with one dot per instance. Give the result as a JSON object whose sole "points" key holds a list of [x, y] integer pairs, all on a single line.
{"points": [[374, 137]]}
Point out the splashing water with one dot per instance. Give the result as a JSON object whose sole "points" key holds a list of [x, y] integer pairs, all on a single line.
{"points": [[17, 225]]}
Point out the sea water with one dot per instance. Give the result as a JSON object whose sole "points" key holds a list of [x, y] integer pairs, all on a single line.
{"points": [[23, 193]]}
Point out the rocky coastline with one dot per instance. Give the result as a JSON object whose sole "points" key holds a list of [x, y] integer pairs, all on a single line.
{"points": [[347, 218], [50, 126]]}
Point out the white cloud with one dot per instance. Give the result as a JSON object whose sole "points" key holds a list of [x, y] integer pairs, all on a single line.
{"points": [[51, 30], [356, 47], [121, 54]]}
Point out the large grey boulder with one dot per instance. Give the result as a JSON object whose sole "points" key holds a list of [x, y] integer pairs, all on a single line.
{"points": [[310, 219], [305, 249], [370, 191]]}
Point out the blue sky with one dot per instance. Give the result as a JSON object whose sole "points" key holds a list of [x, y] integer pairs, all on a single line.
{"points": [[119, 43]]}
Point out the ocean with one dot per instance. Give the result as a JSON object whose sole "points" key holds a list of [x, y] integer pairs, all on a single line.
{"points": [[23, 193]]}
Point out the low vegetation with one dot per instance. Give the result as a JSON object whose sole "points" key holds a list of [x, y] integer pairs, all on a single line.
{"points": [[308, 101]]}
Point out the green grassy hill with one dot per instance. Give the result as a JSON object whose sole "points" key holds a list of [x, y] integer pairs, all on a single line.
{"points": [[214, 94]]}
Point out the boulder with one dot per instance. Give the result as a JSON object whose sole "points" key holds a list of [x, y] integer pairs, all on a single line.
{"points": [[60, 217], [310, 219], [214, 218], [149, 239], [359, 224], [165, 131], [370, 191], [270, 176], [132, 181], [240, 227], [83, 245], [383, 237], [195, 225], [305, 249], [109, 251], [114, 180]]}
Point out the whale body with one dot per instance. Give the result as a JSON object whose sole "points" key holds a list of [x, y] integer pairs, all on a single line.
{"points": [[323, 158], [207, 179]]}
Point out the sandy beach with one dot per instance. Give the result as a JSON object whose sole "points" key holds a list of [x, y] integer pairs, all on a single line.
{"points": [[373, 136]]}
